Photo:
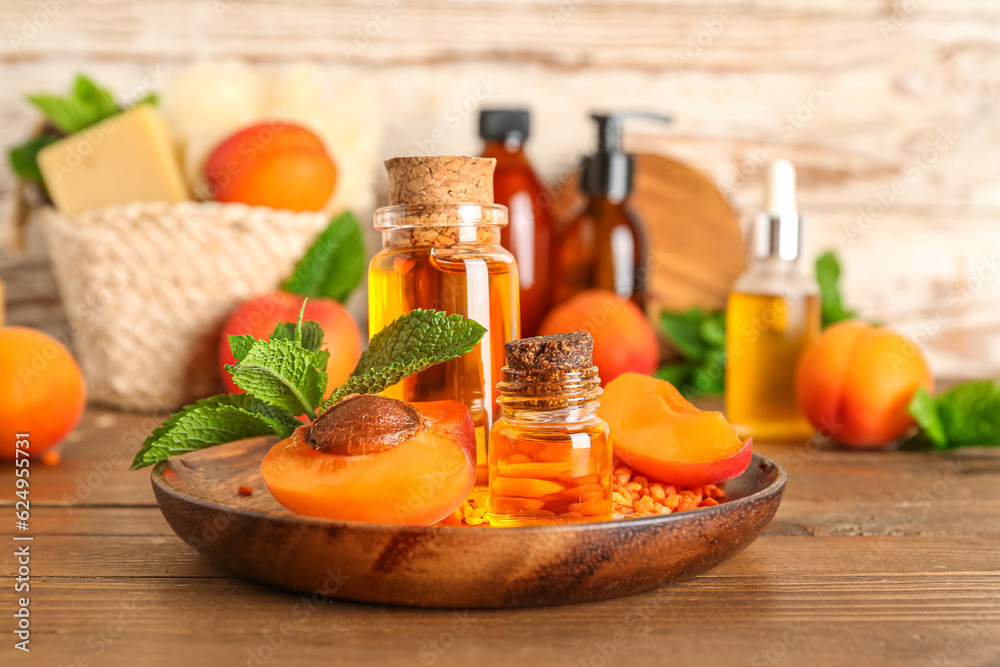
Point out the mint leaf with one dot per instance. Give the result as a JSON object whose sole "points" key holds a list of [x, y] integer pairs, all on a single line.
{"points": [[683, 330], [282, 373], [924, 409], [334, 264], [708, 378], [86, 105], [213, 421], [677, 374], [713, 329], [240, 345], [24, 158], [970, 413], [412, 343], [311, 334], [828, 277]]}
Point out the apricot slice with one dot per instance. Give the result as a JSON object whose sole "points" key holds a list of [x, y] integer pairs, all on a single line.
{"points": [[375, 459], [659, 433]]}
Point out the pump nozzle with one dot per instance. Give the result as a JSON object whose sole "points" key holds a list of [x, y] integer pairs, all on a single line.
{"points": [[609, 170]]}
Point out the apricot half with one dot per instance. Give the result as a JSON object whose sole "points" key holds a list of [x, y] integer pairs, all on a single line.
{"points": [[375, 459], [658, 432]]}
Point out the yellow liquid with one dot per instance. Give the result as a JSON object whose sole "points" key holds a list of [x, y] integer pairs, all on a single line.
{"points": [[765, 336], [549, 474], [471, 282]]}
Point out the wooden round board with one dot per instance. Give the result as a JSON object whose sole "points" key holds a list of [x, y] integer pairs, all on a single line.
{"points": [[448, 567]]}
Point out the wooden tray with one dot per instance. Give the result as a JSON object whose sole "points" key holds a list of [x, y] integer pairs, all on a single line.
{"points": [[448, 567]]}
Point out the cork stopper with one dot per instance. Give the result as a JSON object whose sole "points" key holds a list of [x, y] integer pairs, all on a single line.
{"points": [[563, 352], [440, 179]]}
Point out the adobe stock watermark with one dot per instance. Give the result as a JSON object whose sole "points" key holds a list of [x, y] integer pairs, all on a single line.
{"points": [[457, 114], [433, 649], [785, 128], [370, 30], [33, 24], [710, 30], [913, 168], [562, 12], [902, 13]]}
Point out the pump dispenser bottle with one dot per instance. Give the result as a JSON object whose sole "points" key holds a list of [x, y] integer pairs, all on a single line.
{"points": [[605, 246], [773, 314]]}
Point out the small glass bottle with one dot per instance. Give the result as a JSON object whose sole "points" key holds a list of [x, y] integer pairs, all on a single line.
{"points": [[550, 454], [441, 251], [772, 315], [529, 233]]}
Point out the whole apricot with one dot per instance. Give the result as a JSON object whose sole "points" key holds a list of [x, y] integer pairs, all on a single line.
{"points": [[855, 381], [624, 340], [278, 164], [42, 392], [260, 315]]}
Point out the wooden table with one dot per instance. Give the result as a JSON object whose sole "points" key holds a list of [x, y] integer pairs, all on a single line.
{"points": [[886, 558]]}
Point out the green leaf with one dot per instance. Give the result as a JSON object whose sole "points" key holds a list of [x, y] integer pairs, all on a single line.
{"points": [[284, 374], [414, 342], [970, 414], [713, 329], [24, 158], [828, 277], [924, 409], [683, 330], [86, 105], [677, 374], [312, 334], [213, 421], [334, 264], [708, 379], [240, 345]]}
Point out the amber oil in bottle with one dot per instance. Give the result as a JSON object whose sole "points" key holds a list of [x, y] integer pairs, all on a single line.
{"points": [[773, 314], [441, 251], [550, 454]]}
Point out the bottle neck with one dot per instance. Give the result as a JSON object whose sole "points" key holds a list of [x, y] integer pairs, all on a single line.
{"points": [[549, 397], [510, 151]]}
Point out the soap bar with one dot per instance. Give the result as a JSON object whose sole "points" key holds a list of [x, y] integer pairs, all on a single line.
{"points": [[122, 159]]}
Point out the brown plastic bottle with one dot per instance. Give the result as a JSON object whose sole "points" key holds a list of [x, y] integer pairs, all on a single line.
{"points": [[528, 234], [604, 247]]}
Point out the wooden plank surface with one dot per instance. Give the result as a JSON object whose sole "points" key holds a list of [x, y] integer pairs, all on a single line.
{"points": [[884, 557]]}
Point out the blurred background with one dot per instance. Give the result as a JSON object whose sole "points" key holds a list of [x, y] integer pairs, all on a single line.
{"points": [[888, 109]]}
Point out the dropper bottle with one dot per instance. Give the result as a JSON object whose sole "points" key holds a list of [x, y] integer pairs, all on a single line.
{"points": [[773, 314], [605, 246]]}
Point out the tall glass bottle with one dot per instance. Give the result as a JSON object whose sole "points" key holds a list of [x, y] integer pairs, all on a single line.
{"points": [[772, 315], [528, 234], [605, 246], [441, 251]]}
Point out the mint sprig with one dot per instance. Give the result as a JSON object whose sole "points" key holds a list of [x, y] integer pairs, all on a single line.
{"points": [[214, 421], [285, 376], [334, 264], [87, 104], [410, 344], [964, 416]]}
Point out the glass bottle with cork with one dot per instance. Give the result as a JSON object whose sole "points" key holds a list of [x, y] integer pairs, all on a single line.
{"points": [[528, 235], [604, 247], [773, 313], [441, 251], [550, 458]]}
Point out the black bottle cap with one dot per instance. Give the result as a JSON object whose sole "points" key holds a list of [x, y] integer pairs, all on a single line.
{"points": [[609, 170], [500, 124]]}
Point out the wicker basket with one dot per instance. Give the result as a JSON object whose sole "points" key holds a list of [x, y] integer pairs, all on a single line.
{"points": [[147, 287]]}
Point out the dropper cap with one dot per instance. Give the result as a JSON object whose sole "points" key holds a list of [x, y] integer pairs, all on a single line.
{"points": [[777, 232]]}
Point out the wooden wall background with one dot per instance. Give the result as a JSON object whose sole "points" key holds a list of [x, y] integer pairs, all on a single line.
{"points": [[889, 108]]}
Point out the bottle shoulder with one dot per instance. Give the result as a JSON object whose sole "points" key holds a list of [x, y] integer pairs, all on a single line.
{"points": [[776, 279]]}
